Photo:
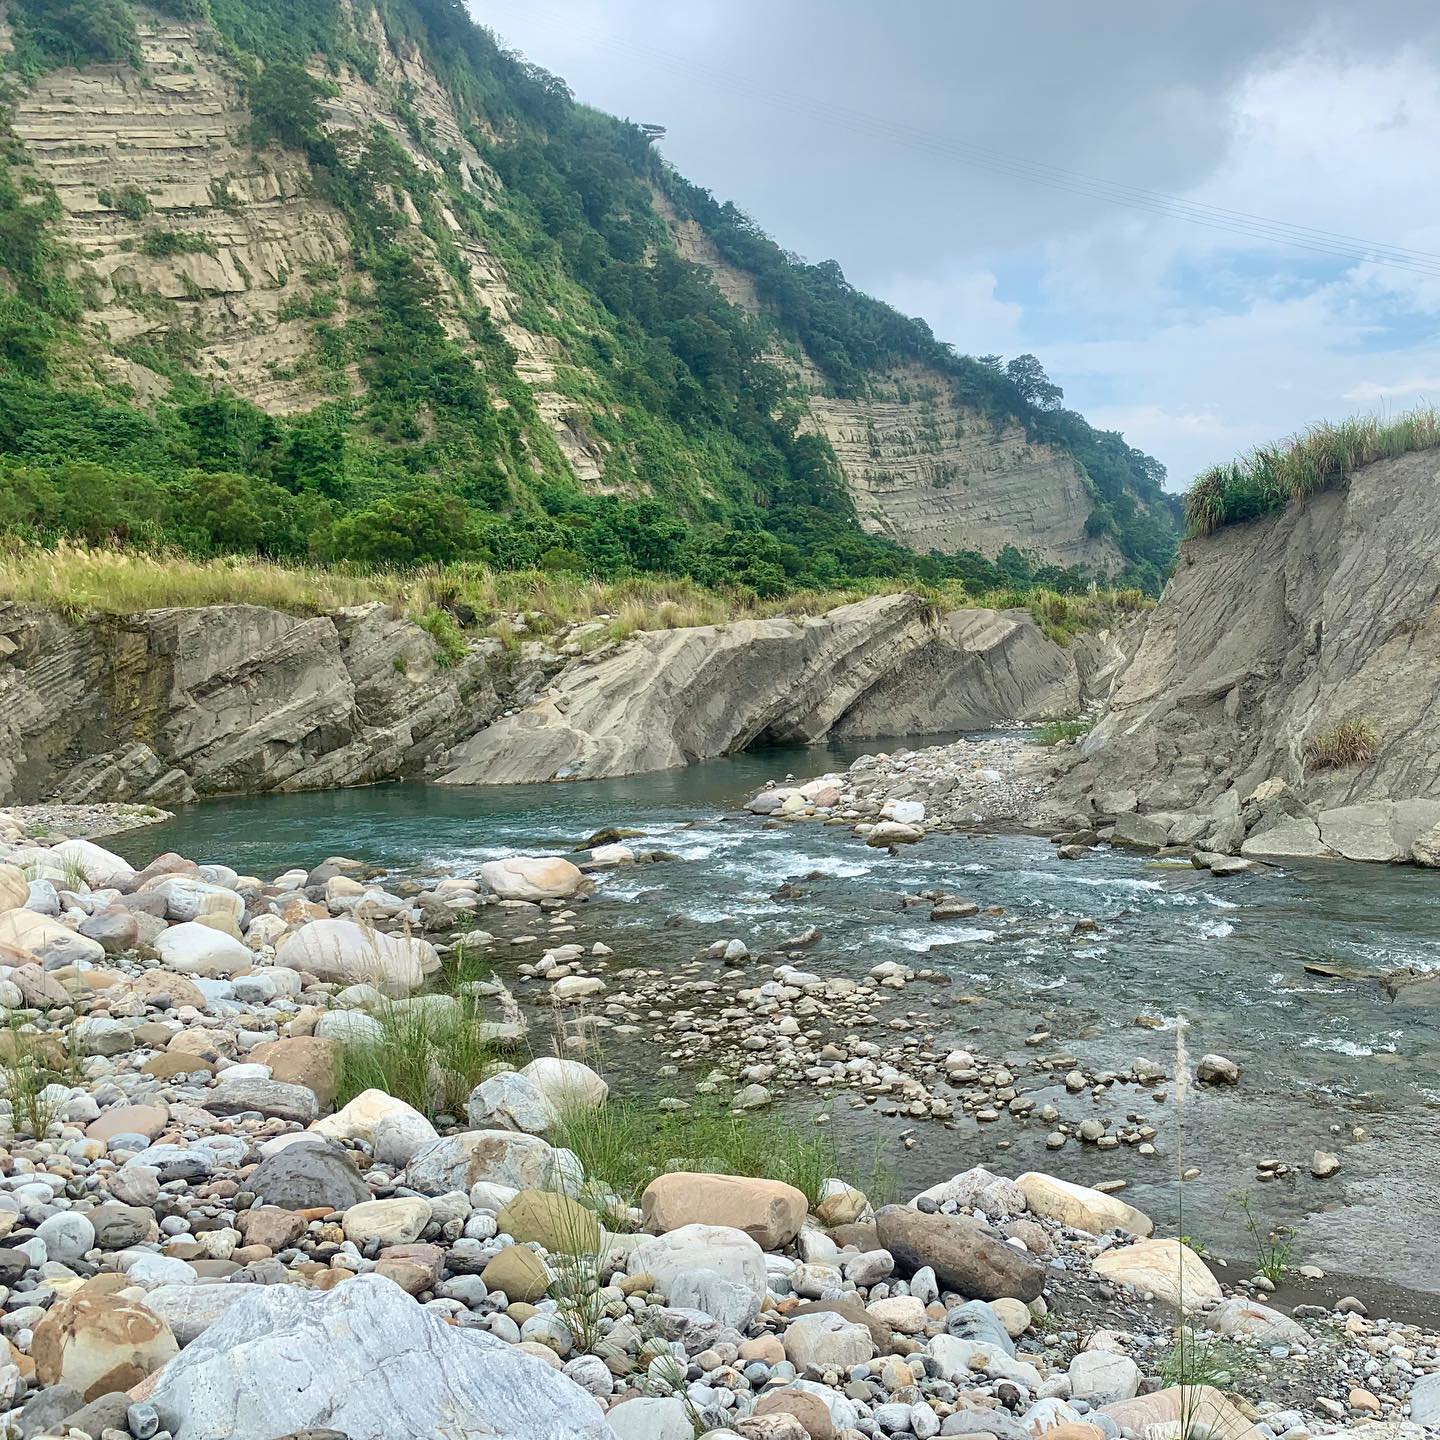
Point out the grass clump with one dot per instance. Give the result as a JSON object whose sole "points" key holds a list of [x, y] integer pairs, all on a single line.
{"points": [[1273, 1248], [30, 1062], [1354, 741], [628, 1143], [1271, 476], [430, 1053], [1053, 732], [442, 627]]}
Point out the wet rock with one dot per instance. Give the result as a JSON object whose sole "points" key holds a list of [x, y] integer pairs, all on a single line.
{"points": [[1217, 1070]]}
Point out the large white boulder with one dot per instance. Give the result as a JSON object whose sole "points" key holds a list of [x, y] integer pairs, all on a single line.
{"points": [[532, 877], [188, 898], [196, 949], [368, 1361], [1168, 1269], [566, 1084], [342, 952], [713, 1268], [47, 939], [394, 1129], [510, 1101]]}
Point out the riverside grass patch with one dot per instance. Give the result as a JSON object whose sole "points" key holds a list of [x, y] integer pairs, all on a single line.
{"points": [[81, 581], [627, 1143], [1271, 476]]}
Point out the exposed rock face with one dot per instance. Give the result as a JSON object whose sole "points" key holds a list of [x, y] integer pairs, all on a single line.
{"points": [[169, 704], [882, 666], [981, 668], [924, 469], [1270, 634]]}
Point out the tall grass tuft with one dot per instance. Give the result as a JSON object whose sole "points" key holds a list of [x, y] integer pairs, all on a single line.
{"points": [[429, 1054], [1354, 741], [627, 1143], [1271, 476]]}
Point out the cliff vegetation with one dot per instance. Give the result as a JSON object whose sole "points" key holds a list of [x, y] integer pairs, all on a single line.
{"points": [[428, 310]]}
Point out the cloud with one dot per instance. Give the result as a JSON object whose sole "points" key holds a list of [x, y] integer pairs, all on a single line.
{"points": [[1197, 342]]}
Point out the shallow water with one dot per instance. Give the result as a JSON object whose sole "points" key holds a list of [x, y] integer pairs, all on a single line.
{"points": [[1228, 955]]}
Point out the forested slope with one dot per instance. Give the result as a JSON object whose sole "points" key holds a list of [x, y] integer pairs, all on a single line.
{"points": [[343, 279]]}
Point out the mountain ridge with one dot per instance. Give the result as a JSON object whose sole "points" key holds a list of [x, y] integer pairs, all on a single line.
{"points": [[296, 264]]}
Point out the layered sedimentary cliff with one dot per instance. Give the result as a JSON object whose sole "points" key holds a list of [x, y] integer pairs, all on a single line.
{"points": [[924, 469], [171, 704], [881, 667], [1272, 636]]}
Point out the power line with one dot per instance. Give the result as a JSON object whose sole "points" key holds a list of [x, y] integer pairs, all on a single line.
{"points": [[1335, 244]]}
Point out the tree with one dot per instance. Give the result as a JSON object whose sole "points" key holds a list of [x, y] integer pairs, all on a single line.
{"points": [[1035, 386]]}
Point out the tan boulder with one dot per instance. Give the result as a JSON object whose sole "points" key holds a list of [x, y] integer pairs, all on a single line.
{"points": [[146, 1120], [303, 1060], [1170, 1270], [47, 939], [176, 1062], [100, 1343], [810, 1410], [1198, 1406], [14, 887], [560, 1225], [519, 1272], [1081, 1207], [770, 1212]]}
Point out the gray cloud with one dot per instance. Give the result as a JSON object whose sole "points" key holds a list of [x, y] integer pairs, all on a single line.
{"points": [[1168, 97]]}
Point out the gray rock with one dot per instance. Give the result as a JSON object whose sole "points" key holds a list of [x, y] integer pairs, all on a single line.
{"points": [[706, 1267], [501, 1157], [118, 1226], [1101, 1377], [67, 1236], [190, 1310], [1425, 1400], [975, 1320], [1143, 831], [269, 1097], [302, 1176], [366, 1360], [46, 1409], [965, 1255], [510, 1101]]}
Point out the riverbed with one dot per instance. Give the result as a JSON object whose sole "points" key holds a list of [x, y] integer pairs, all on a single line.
{"points": [[1321, 1058]]}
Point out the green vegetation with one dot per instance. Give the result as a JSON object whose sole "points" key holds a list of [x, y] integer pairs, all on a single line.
{"points": [[439, 455], [30, 1062], [429, 1053], [1354, 741], [1056, 731], [1271, 476], [627, 1143], [1273, 1247]]}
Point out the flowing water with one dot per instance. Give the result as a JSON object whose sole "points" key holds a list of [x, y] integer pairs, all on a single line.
{"points": [[1321, 1056]]}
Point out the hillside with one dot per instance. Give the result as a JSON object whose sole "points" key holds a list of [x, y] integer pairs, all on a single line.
{"points": [[342, 279]]}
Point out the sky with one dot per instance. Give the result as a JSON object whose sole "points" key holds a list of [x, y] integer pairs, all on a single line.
{"points": [[897, 139]]}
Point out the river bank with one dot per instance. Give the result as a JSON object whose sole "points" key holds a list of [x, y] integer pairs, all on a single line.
{"points": [[206, 1049]]}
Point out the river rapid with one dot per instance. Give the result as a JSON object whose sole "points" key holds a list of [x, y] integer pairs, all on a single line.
{"points": [[1320, 1056]]}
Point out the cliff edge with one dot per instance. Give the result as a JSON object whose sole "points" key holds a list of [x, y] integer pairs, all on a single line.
{"points": [[1283, 698]]}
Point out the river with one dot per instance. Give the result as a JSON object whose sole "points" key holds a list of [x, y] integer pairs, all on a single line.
{"points": [[1320, 1056]]}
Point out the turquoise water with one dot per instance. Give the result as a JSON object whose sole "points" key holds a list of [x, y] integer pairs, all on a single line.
{"points": [[1227, 955]]}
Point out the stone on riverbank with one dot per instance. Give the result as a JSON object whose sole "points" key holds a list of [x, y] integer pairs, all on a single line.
{"points": [[365, 1360], [965, 1255], [1167, 1269], [1080, 1206], [708, 1267], [768, 1211], [344, 953], [528, 877]]}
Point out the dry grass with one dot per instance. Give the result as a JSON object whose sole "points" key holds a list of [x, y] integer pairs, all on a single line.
{"points": [[1354, 741], [1271, 476], [511, 605]]}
